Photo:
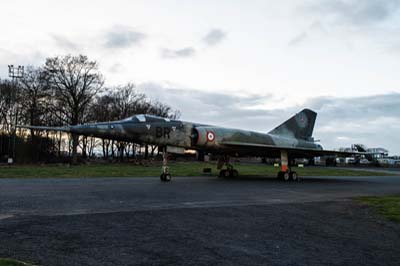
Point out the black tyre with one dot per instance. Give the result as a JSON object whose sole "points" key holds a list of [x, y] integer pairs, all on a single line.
{"points": [[286, 176], [167, 177], [227, 173], [234, 173], [294, 176]]}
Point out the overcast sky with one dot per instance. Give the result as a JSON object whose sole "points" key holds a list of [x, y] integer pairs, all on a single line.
{"points": [[248, 64]]}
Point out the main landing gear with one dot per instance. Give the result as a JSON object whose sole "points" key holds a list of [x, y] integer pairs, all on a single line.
{"points": [[286, 174], [165, 175], [229, 171]]}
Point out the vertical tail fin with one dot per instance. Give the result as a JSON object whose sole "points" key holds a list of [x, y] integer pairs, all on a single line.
{"points": [[300, 126]]}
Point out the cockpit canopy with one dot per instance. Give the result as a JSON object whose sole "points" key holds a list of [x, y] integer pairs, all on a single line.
{"points": [[146, 118]]}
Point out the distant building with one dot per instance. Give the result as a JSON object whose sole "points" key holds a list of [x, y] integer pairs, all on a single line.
{"points": [[378, 153], [375, 153]]}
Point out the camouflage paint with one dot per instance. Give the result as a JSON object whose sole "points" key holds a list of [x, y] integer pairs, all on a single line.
{"points": [[293, 136]]}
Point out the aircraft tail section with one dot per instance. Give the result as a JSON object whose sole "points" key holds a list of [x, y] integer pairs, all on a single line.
{"points": [[300, 126]]}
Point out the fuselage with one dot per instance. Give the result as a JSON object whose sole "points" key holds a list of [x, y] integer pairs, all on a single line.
{"points": [[167, 132]]}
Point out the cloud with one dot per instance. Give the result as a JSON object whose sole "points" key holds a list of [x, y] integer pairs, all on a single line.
{"points": [[394, 48], [314, 29], [208, 107], [298, 39], [123, 37], [351, 21], [23, 58], [180, 53], [214, 37], [354, 12], [63, 42], [371, 120], [343, 109], [116, 68]]}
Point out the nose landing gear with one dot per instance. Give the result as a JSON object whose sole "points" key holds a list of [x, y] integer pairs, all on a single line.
{"points": [[230, 171], [165, 175]]}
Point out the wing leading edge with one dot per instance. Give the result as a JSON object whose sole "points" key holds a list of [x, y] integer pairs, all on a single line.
{"points": [[63, 129]]}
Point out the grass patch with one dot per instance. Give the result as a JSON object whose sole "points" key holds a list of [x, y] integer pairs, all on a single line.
{"points": [[387, 206], [11, 262], [176, 168]]}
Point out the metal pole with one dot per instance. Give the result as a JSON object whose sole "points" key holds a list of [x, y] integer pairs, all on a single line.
{"points": [[10, 116], [15, 132], [14, 73]]}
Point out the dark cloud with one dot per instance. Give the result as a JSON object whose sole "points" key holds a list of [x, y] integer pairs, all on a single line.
{"points": [[214, 37], [377, 105], [63, 42], [180, 53], [372, 120], [355, 12], [123, 37]]}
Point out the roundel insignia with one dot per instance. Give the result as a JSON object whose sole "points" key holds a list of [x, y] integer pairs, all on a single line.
{"points": [[210, 136], [302, 120]]}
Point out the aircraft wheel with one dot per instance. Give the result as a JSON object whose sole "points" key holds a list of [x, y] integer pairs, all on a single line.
{"points": [[222, 173], [294, 176], [286, 176], [234, 173], [227, 173], [165, 177]]}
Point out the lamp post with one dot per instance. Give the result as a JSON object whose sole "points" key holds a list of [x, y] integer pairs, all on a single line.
{"points": [[14, 73]]}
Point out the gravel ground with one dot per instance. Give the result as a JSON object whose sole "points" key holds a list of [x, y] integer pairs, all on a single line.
{"points": [[323, 233]]}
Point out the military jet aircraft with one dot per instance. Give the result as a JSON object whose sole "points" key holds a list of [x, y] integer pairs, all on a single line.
{"points": [[290, 140]]}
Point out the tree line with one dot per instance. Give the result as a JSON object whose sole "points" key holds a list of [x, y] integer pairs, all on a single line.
{"points": [[68, 90]]}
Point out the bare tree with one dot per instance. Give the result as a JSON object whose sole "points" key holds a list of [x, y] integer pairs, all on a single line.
{"points": [[34, 94], [127, 101], [34, 100], [75, 80], [8, 96], [69, 90], [5, 100]]}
